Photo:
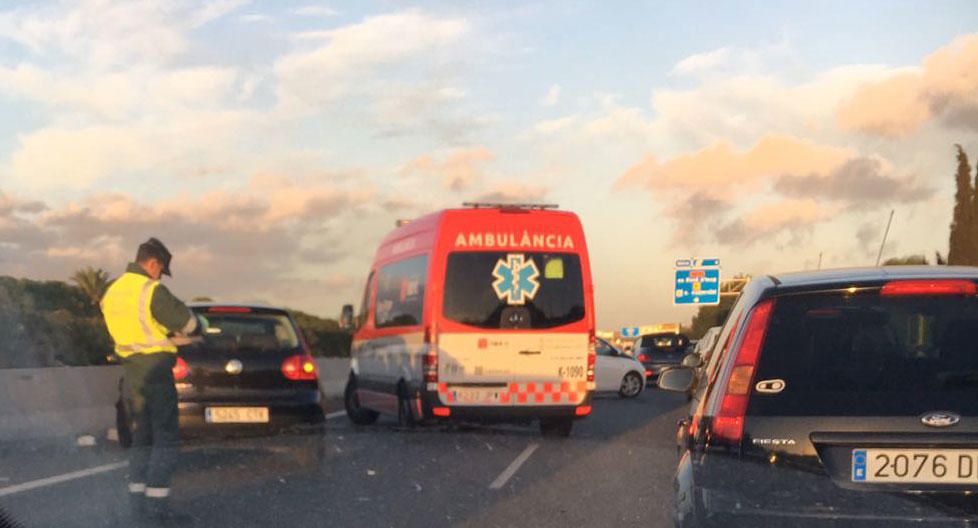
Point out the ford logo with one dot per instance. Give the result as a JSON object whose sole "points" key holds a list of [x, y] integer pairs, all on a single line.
{"points": [[940, 419], [233, 367]]}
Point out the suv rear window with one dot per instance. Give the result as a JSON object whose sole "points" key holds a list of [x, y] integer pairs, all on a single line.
{"points": [[850, 355], [471, 297]]}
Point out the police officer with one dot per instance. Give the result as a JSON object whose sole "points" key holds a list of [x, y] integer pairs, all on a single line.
{"points": [[147, 322]]}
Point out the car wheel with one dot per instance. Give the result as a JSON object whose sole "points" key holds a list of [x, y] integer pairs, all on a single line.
{"points": [[358, 415], [405, 416], [631, 385], [556, 427]]}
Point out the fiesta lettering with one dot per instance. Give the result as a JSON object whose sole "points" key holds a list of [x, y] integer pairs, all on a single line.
{"points": [[519, 240]]}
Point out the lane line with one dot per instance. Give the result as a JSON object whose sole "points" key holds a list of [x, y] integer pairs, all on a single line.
{"points": [[508, 473], [57, 479], [336, 414]]}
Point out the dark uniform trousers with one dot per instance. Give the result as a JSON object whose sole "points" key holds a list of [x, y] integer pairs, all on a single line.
{"points": [[155, 431]]}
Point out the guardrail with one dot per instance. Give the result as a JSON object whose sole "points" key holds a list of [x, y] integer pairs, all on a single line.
{"points": [[67, 402]]}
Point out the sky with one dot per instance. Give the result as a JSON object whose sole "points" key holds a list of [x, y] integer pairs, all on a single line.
{"points": [[271, 145]]}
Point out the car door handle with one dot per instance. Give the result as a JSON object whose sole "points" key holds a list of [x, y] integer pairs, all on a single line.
{"points": [[530, 352]]}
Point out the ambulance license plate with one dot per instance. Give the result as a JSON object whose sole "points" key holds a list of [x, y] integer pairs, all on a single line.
{"points": [[476, 396], [236, 414]]}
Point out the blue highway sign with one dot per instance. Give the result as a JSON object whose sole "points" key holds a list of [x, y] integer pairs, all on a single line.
{"points": [[629, 331], [697, 286]]}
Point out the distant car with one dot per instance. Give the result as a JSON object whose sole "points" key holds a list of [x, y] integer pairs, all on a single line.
{"points": [[658, 352], [706, 344], [253, 371], [842, 398], [618, 372]]}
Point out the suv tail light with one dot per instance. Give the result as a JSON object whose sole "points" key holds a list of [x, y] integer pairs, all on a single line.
{"points": [[643, 358], [929, 287], [592, 355], [728, 424], [430, 362], [300, 368], [180, 370]]}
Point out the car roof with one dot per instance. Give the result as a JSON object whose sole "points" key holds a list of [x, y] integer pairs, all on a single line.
{"points": [[258, 307], [873, 274]]}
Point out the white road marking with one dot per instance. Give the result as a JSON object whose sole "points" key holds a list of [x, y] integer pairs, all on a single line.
{"points": [[508, 473], [336, 414], [57, 479]]}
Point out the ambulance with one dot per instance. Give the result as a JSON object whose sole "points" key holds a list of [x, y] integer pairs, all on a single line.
{"points": [[483, 313]]}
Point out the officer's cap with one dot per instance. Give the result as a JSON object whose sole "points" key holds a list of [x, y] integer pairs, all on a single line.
{"points": [[153, 248]]}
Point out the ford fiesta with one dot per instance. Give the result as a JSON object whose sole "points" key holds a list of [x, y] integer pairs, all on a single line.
{"points": [[252, 371], [847, 397]]}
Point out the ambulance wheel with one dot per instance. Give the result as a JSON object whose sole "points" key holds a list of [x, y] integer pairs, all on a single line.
{"points": [[631, 385], [405, 416], [556, 427], [358, 415]]}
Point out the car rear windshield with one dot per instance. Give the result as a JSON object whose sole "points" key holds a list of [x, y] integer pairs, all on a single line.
{"points": [[870, 355], [259, 331], [533, 290], [668, 343]]}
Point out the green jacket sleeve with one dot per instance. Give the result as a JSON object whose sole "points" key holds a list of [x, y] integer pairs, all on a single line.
{"points": [[170, 311]]}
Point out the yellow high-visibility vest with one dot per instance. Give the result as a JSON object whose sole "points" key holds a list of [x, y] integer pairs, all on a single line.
{"points": [[126, 308]]}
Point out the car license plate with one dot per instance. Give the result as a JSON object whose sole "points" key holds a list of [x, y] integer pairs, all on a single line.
{"points": [[236, 414], [918, 466]]}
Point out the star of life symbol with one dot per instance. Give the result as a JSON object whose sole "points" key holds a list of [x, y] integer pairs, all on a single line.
{"points": [[516, 279]]}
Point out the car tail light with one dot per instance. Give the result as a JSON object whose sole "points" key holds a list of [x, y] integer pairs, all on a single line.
{"points": [[592, 355], [728, 424], [583, 410], [441, 411], [643, 358], [180, 370], [300, 368], [430, 366], [929, 287]]}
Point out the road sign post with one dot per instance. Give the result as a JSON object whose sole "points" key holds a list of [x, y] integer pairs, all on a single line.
{"points": [[697, 282]]}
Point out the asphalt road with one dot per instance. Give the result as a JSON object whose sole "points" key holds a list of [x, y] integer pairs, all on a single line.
{"points": [[614, 470]]}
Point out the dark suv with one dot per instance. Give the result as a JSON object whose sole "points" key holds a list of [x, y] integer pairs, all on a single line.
{"points": [[847, 397]]}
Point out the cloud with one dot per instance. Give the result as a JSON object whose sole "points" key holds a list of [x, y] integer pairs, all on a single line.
{"points": [[459, 170], [109, 34], [944, 87], [552, 97], [795, 218], [351, 54], [513, 192], [315, 11], [862, 182], [722, 166], [700, 62]]}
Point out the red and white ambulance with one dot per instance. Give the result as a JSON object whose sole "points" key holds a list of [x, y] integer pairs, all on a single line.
{"points": [[484, 313]]}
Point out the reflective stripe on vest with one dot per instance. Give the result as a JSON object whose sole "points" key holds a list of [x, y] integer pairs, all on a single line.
{"points": [[128, 316]]}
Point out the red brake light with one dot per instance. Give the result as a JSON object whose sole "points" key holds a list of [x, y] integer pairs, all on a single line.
{"points": [[441, 411], [728, 424], [592, 355], [180, 370], [643, 358], [300, 368], [229, 309], [583, 410], [929, 287]]}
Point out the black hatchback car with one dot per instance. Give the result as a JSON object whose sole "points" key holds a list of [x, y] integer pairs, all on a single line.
{"points": [[840, 398], [253, 371], [658, 352]]}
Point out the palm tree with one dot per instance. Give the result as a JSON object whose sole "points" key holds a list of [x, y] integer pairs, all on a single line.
{"points": [[93, 282]]}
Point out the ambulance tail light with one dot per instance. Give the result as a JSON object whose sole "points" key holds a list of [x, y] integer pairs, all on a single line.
{"points": [[180, 370], [441, 411], [430, 361], [592, 355], [300, 368], [583, 410], [728, 424]]}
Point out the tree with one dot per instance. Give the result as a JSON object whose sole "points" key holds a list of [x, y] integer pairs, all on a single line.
{"points": [[93, 282], [710, 316], [910, 260], [963, 244]]}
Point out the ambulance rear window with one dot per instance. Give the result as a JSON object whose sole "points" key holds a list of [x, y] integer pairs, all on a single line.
{"points": [[546, 290]]}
